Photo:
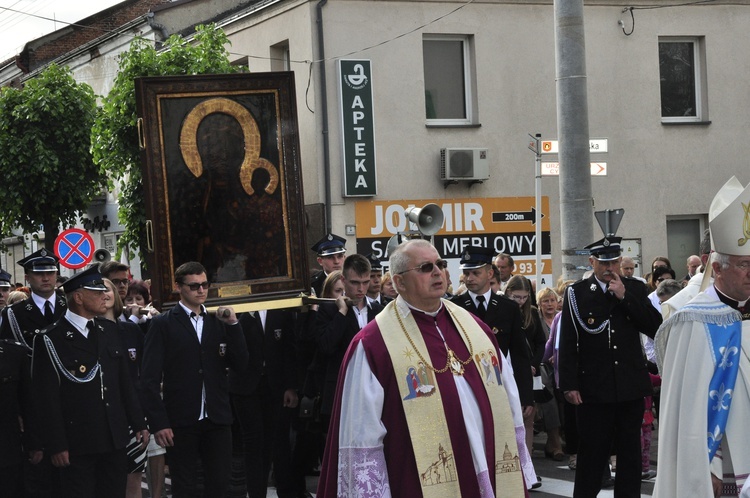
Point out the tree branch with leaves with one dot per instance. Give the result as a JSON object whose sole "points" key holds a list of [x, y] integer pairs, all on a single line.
{"points": [[47, 171], [114, 135]]}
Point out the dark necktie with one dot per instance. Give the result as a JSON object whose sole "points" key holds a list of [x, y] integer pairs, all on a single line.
{"points": [[48, 314], [480, 307], [90, 326]]}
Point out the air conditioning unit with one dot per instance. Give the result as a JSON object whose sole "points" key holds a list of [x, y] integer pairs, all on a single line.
{"points": [[464, 164]]}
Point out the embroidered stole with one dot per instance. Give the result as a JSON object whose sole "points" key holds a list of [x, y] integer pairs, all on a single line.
{"points": [[421, 400], [725, 341]]}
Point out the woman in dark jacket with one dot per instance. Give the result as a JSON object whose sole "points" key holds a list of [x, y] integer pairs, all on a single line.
{"points": [[132, 341], [519, 289]]}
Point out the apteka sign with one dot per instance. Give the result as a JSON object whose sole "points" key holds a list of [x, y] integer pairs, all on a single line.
{"points": [[358, 128]]}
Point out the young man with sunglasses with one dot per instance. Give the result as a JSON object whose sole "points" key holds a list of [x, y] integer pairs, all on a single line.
{"points": [[189, 350], [425, 405]]}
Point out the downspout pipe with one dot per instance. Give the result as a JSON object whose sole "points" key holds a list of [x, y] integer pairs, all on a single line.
{"points": [[321, 56]]}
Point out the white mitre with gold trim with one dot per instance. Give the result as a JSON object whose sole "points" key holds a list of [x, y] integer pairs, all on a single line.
{"points": [[729, 219]]}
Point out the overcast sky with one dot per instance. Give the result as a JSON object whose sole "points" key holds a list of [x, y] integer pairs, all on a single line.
{"points": [[30, 19]]}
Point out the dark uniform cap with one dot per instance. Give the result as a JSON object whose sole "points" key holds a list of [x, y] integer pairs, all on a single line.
{"points": [[606, 249], [4, 278], [42, 260], [375, 263], [330, 244], [475, 257], [89, 279]]}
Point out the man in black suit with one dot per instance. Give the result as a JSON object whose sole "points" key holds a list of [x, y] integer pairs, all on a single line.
{"points": [[603, 371], [264, 396], [189, 351], [376, 276], [337, 324], [42, 308], [84, 395], [331, 250], [501, 314]]}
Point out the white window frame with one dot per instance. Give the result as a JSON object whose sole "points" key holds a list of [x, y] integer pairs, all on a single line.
{"points": [[698, 76], [468, 80]]}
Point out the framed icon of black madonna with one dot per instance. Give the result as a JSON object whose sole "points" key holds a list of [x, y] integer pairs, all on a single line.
{"points": [[223, 184]]}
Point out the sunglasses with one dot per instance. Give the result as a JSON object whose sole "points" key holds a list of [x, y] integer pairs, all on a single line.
{"points": [[427, 267], [195, 286]]}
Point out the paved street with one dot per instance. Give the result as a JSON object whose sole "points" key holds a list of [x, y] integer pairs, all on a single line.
{"points": [[557, 478]]}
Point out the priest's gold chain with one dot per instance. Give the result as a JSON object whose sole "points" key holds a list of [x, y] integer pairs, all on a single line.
{"points": [[451, 354]]}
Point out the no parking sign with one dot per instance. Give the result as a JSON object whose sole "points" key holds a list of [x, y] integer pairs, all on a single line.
{"points": [[75, 248]]}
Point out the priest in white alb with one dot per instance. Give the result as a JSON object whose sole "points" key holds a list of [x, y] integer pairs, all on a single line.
{"points": [[415, 414], [702, 351]]}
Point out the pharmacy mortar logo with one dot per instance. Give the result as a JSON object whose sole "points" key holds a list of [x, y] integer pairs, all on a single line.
{"points": [[358, 80]]}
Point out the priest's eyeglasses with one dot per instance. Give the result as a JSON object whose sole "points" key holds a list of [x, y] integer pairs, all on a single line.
{"points": [[427, 267]]}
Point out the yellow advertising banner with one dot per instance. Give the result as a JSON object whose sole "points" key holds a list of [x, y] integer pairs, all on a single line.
{"points": [[506, 224]]}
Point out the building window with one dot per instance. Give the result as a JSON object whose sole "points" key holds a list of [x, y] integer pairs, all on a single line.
{"points": [[448, 79], [281, 59], [682, 76], [242, 61]]}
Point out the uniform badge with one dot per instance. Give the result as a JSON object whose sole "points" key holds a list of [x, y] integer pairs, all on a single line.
{"points": [[69, 335], [277, 334], [593, 287], [222, 349], [132, 354], [29, 307], [82, 369]]}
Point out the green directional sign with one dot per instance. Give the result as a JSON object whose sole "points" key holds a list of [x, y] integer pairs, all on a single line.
{"points": [[358, 130]]}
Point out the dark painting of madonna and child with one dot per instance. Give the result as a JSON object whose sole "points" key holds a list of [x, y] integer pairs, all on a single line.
{"points": [[223, 184]]}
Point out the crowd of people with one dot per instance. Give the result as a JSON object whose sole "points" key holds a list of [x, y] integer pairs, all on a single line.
{"points": [[392, 385]]}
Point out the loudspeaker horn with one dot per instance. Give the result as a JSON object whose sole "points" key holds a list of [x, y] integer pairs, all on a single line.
{"points": [[394, 242], [428, 219], [102, 256]]}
